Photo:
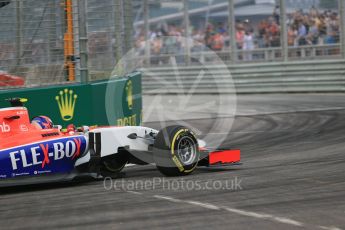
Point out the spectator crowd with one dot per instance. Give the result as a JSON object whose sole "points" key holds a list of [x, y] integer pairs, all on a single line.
{"points": [[314, 27]]}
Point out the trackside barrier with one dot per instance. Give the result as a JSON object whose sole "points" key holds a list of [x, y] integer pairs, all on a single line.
{"points": [[307, 76], [85, 104]]}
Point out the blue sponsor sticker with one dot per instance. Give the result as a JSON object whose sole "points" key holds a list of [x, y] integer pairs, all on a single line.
{"points": [[54, 156]]}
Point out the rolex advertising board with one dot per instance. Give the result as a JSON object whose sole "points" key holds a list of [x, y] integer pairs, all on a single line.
{"points": [[114, 102]]}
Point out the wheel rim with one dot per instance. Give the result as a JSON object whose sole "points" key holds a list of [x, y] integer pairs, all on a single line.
{"points": [[186, 150]]}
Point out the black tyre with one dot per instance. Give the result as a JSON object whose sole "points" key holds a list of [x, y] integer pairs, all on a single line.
{"points": [[112, 165], [175, 151]]}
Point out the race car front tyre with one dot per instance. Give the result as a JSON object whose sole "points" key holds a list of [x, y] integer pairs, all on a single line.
{"points": [[175, 151]]}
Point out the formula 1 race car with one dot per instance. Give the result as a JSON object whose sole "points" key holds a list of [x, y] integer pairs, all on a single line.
{"points": [[38, 152]]}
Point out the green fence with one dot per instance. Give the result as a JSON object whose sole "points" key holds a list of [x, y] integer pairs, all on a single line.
{"points": [[114, 102]]}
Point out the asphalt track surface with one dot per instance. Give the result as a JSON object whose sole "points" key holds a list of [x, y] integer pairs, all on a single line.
{"points": [[293, 177]]}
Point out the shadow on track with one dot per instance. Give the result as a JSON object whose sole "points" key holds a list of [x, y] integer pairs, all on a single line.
{"points": [[46, 186]]}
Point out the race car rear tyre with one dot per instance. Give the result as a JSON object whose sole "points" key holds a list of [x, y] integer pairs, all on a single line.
{"points": [[112, 165], [175, 151]]}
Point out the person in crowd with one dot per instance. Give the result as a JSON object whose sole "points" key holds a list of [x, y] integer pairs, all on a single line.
{"points": [[217, 42], [208, 36], [240, 32], [221, 28], [248, 45], [276, 14], [140, 45], [272, 33], [198, 40], [302, 33], [292, 35], [247, 25], [330, 38], [313, 12], [313, 35], [261, 37], [156, 48]]}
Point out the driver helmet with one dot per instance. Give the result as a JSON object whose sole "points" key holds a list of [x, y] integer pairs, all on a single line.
{"points": [[42, 122]]}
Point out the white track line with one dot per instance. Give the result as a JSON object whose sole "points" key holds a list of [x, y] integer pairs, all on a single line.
{"points": [[287, 221], [203, 205], [167, 198], [329, 228], [256, 215], [136, 193]]}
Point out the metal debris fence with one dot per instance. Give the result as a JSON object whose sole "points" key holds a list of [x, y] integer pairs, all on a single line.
{"points": [[45, 42]]}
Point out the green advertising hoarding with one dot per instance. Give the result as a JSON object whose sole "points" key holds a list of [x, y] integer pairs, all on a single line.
{"points": [[114, 102]]}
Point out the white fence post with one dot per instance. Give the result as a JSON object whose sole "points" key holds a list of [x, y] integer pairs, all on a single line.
{"points": [[187, 32], [84, 71], [232, 31], [283, 32], [19, 31], [146, 15], [342, 24], [128, 24], [118, 29]]}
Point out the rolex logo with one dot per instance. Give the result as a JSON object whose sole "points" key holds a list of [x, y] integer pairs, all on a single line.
{"points": [[129, 92], [66, 101]]}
